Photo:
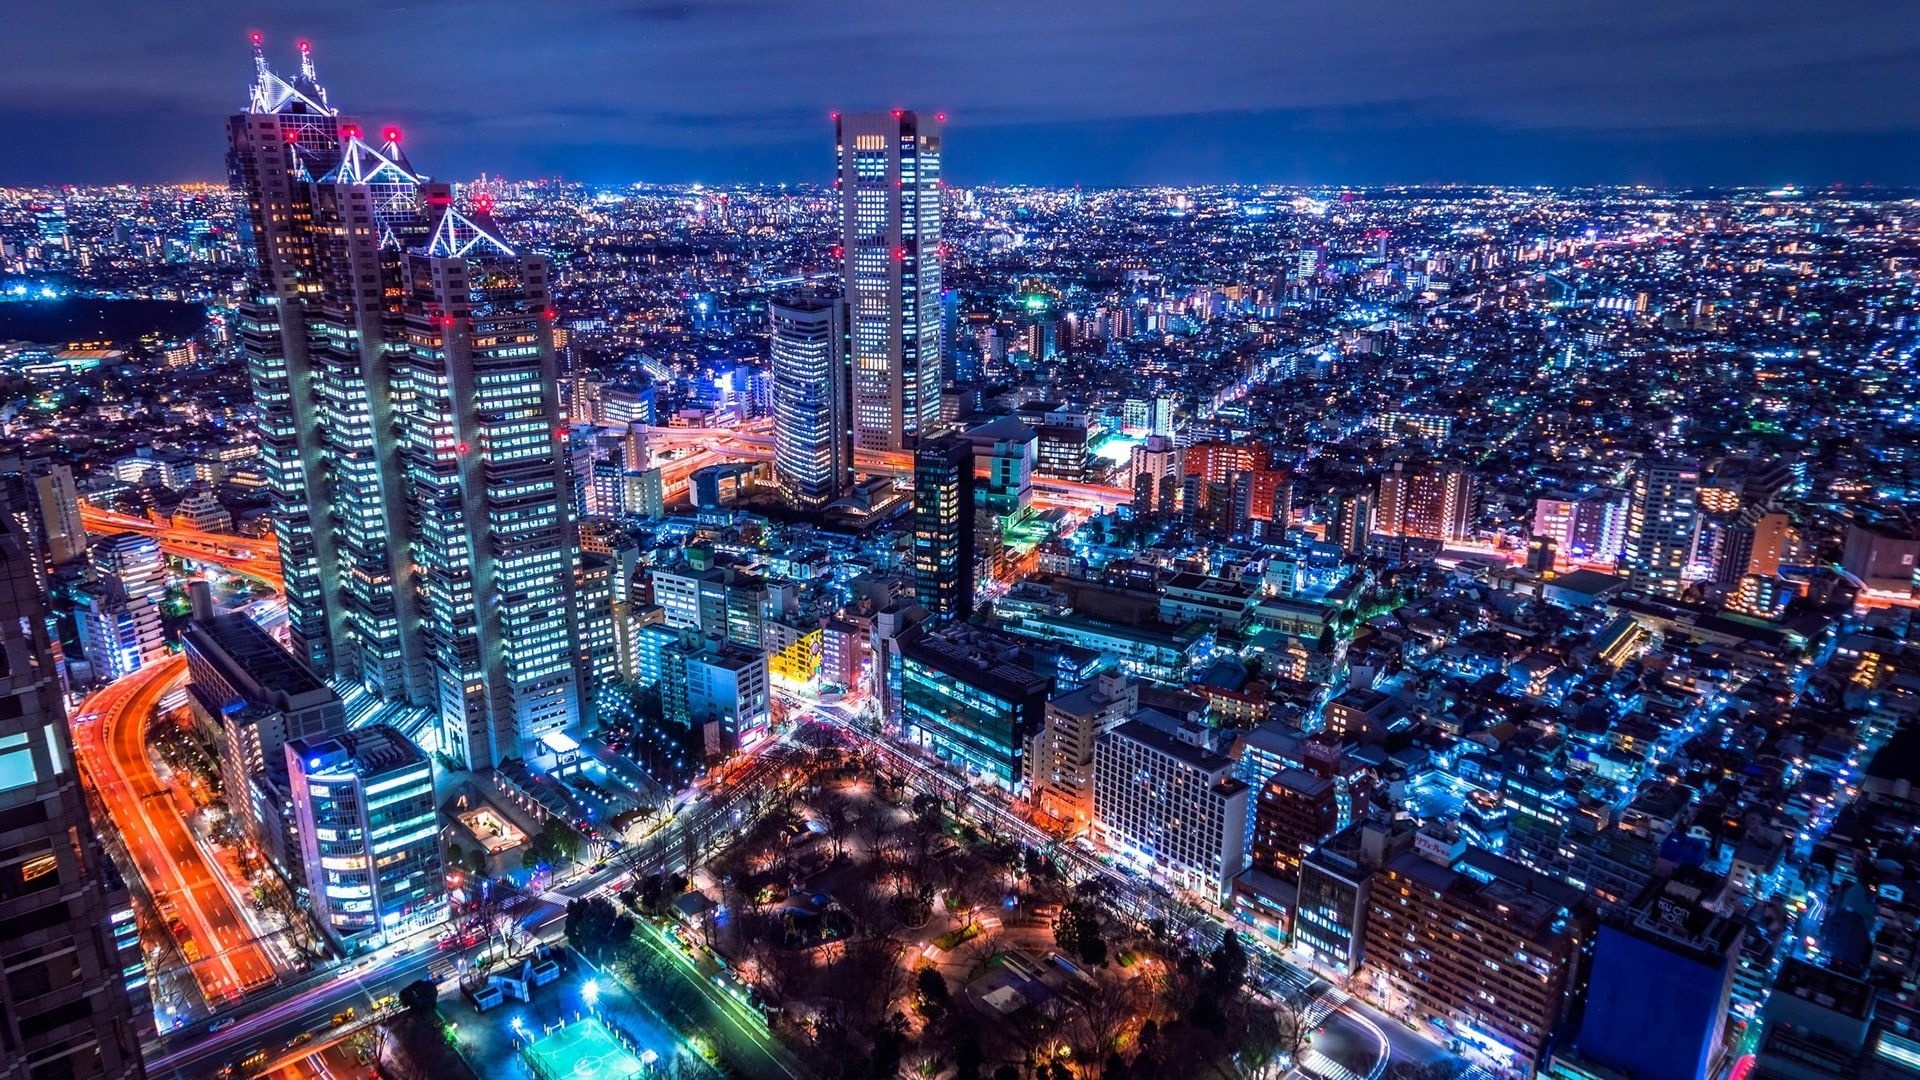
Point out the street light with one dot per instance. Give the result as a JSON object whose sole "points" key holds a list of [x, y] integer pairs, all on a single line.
{"points": [[590, 990]]}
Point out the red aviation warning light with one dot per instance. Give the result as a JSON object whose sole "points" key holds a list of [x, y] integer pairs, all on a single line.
{"points": [[460, 448], [482, 203], [257, 38], [390, 133], [549, 314], [351, 131], [899, 253], [303, 45], [290, 134], [942, 117]]}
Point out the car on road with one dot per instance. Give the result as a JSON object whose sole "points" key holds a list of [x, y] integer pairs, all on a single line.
{"points": [[342, 1016], [222, 1024]]}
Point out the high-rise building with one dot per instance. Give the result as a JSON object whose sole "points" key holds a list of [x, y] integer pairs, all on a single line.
{"points": [[718, 601], [728, 696], [812, 436], [1492, 948], [1352, 521], [1156, 477], [1003, 455], [1428, 502], [401, 353], [943, 522], [54, 509], [136, 562], [1336, 884], [1296, 810], [1060, 767], [369, 834], [889, 179], [1268, 491], [1171, 808], [119, 633], [1661, 520], [64, 1005], [248, 687]]}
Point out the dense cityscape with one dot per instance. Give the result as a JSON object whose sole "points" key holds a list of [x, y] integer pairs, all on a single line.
{"points": [[880, 627]]}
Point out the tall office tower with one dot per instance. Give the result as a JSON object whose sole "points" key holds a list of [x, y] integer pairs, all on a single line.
{"points": [[369, 833], [812, 436], [135, 560], [1427, 501], [403, 370], [1156, 478], [889, 178], [64, 1007], [1661, 519], [1353, 520], [54, 509], [943, 517]]}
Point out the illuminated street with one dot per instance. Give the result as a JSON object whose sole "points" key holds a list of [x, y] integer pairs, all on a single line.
{"points": [[112, 748]]}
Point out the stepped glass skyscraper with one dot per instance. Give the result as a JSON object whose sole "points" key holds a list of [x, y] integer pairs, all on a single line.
{"points": [[889, 179], [401, 353]]}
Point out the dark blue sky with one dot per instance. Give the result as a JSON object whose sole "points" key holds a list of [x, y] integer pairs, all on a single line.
{"points": [[1045, 91]]}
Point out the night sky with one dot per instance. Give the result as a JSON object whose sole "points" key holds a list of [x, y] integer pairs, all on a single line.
{"points": [[1040, 91]]}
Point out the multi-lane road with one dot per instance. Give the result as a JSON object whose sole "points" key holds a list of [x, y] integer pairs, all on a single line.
{"points": [[255, 557], [269, 1022], [110, 740]]}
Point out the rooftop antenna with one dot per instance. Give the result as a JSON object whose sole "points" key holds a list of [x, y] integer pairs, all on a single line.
{"points": [[306, 60], [259, 57]]}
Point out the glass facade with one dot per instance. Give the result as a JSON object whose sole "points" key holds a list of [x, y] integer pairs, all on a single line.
{"points": [[369, 833]]}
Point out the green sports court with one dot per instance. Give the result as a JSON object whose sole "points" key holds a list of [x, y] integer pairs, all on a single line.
{"points": [[583, 1050]]}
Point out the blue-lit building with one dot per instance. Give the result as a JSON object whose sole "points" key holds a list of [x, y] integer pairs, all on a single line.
{"points": [[369, 835], [1660, 982], [973, 698], [812, 435]]}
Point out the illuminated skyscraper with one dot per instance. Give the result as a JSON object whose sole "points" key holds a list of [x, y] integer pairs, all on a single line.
{"points": [[64, 1006], [1661, 519], [889, 177], [812, 445], [943, 518], [402, 360], [1426, 501]]}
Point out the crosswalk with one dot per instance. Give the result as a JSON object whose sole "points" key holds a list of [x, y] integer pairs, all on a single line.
{"points": [[1315, 1063]]}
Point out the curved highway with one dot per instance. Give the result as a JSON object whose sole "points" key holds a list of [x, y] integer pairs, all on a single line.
{"points": [[109, 738]]}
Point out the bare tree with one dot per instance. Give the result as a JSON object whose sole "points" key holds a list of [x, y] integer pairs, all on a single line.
{"points": [[1102, 1014]]}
